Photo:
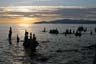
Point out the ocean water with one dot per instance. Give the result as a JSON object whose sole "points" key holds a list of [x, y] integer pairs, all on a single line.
{"points": [[71, 47]]}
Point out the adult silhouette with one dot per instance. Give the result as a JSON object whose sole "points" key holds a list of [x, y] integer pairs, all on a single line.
{"points": [[18, 40], [10, 36]]}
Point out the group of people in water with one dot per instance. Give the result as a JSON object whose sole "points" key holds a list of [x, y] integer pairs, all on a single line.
{"points": [[31, 43], [28, 43], [77, 32]]}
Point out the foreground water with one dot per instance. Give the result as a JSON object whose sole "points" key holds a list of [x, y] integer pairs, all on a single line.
{"points": [[72, 51]]}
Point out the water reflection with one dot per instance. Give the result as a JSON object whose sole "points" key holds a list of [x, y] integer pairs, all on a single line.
{"points": [[26, 26], [21, 29], [17, 55], [22, 56]]}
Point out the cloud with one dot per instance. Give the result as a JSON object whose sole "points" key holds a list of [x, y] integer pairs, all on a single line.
{"points": [[48, 12]]}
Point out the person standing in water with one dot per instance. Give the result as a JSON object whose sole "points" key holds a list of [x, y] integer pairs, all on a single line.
{"points": [[26, 43], [30, 35], [18, 40], [10, 36], [34, 44]]}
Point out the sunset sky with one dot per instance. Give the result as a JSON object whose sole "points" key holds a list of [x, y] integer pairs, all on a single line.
{"points": [[30, 11]]}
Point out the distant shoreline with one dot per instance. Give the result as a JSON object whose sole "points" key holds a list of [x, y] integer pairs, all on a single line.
{"points": [[67, 21], [62, 21]]}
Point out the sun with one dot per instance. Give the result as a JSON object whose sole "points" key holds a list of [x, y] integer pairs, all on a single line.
{"points": [[20, 20], [27, 20]]}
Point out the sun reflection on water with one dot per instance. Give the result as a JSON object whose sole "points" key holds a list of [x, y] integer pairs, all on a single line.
{"points": [[24, 27]]}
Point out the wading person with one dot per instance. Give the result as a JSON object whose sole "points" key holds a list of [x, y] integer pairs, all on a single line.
{"points": [[25, 44], [10, 36], [33, 44], [30, 35], [18, 40]]}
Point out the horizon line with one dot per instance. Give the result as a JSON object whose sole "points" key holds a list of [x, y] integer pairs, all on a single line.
{"points": [[48, 6]]}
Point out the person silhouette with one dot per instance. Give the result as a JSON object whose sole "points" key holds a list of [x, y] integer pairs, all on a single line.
{"points": [[30, 35], [34, 37], [91, 33], [10, 36], [18, 40], [25, 44], [33, 44], [44, 30]]}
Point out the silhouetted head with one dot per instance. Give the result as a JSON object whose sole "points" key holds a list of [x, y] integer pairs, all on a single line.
{"points": [[30, 35], [26, 33], [17, 36], [10, 29], [34, 37]]}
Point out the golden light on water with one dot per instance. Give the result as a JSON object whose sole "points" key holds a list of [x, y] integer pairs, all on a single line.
{"points": [[24, 25]]}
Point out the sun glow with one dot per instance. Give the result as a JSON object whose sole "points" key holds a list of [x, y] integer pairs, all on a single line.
{"points": [[30, 14], [27, 20]]}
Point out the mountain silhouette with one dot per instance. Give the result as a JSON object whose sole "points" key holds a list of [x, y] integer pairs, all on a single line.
{"points": [[67, 21]]}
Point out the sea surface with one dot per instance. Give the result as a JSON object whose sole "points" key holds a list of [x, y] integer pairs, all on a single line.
{"points": [[71, 48]]}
